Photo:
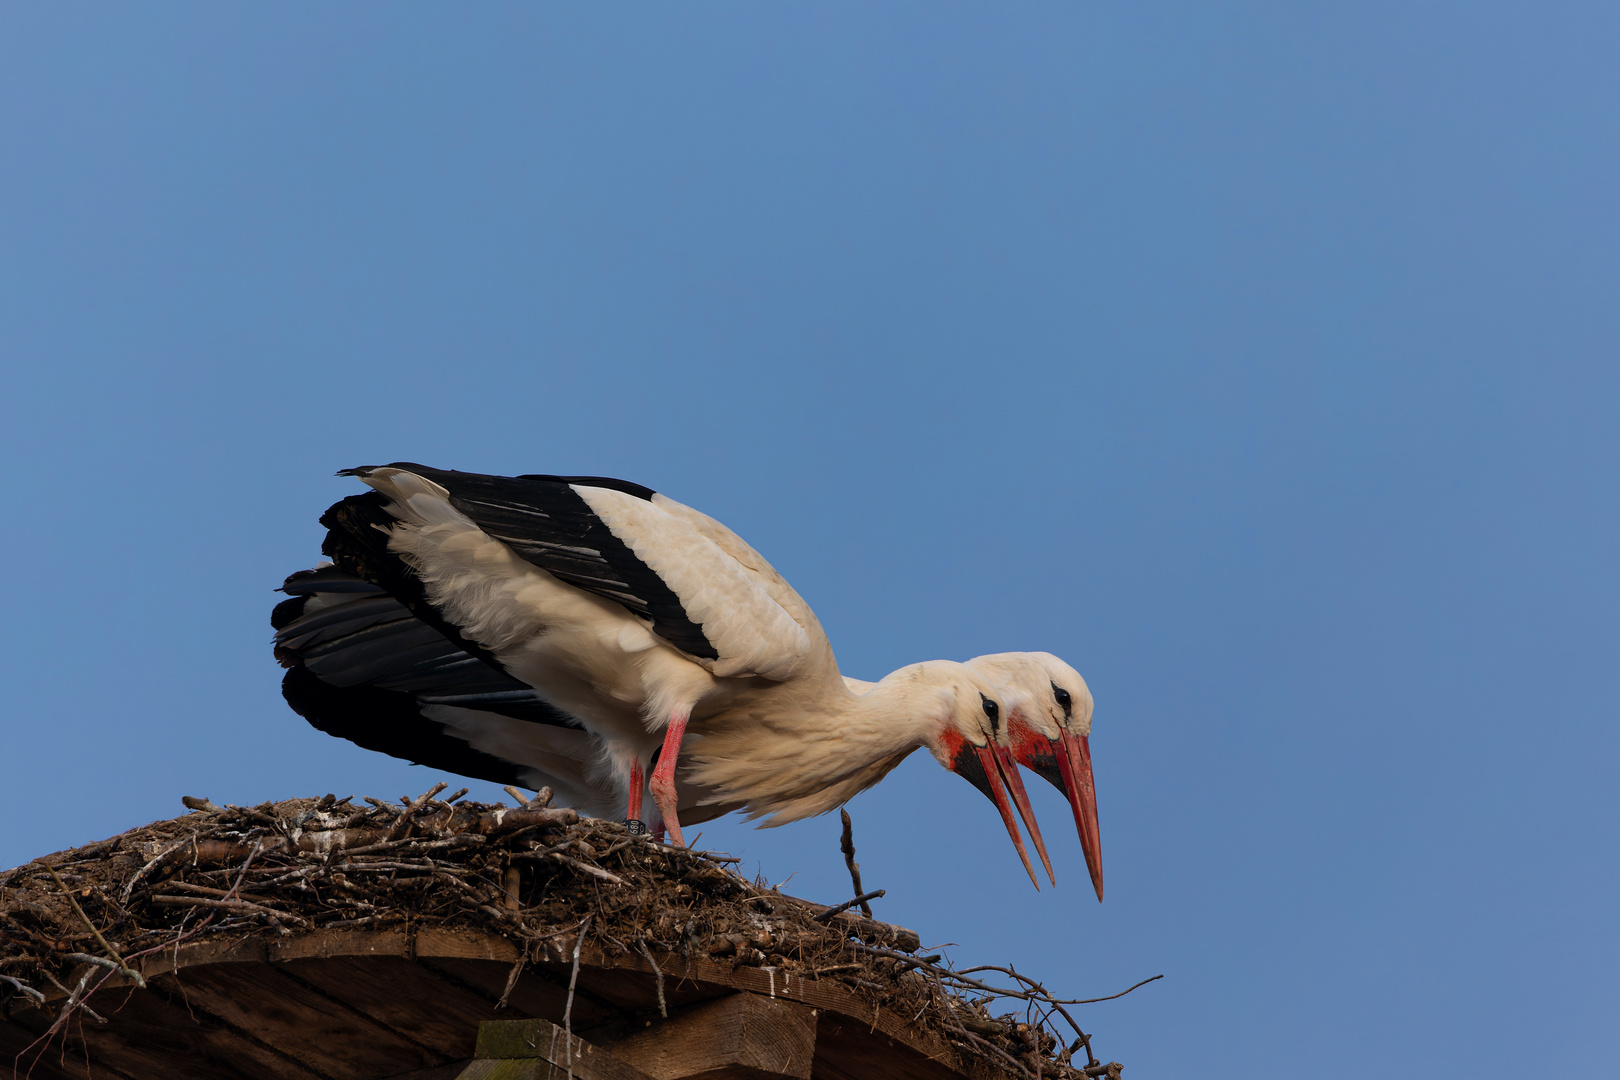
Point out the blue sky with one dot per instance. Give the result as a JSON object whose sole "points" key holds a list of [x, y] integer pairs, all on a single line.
{"points": [[1257, 359]]}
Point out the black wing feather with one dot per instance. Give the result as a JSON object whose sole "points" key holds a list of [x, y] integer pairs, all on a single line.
{"points": [[374, 640], [392, 723], [544, 520]]}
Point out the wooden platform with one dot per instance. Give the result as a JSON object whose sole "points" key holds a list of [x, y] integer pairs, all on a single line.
{"points": [[368, 1005]]}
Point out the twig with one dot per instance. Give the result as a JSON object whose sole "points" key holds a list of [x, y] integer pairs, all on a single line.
{"points": [[847, 904], [159, 857], [98, 961], [568, 1009], [712, 856], [1037, 986], [123, 968], [584, 868], [523, 800], [204, 890], [996, 1050], [23, 988], [1110, 997], [503, 821], [912, 961], [658, 973], [1084, 1039], [350, 867], [410, 810], [512, 978], [847, 846], [76, 999], [241, 906]]}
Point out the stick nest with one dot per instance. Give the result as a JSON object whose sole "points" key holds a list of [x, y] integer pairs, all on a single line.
{"points": [[75, 920]]}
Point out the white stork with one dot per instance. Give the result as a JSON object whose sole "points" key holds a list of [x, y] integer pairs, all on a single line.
{"points": [[1049, 711], [596, 602]]}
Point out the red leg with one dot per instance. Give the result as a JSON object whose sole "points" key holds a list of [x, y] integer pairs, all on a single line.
{"points": [[634, 812], [663, 777]]}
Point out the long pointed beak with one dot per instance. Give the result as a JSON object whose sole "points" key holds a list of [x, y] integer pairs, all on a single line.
{"points": [[1073, 755], [1020, 798], [998, 795]]}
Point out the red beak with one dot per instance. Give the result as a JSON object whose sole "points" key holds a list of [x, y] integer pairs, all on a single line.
{"points": [[1073, 755], [993, 774], [1020, 798]]}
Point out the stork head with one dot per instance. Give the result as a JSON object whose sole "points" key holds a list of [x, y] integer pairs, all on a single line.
{"points": [[1049, 730], [970, 738]]}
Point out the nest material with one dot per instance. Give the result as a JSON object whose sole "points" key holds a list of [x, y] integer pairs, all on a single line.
{"points": [[529, 872]]}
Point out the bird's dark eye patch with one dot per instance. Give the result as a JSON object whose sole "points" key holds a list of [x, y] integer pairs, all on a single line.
{"points": [[1063, 698], [992, 710]]}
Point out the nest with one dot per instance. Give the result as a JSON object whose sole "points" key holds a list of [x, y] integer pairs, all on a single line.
{"points": [[76, 920]]}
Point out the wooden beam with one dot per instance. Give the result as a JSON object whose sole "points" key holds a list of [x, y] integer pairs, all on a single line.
{"points": [[539, 1050], [737, 1037], [826, 995], [328, 1035]]}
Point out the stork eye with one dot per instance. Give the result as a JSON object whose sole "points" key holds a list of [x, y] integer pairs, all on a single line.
{"points": [[991, 709], [1063, 697]]}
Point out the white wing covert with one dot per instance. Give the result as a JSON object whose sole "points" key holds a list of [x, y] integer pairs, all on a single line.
{"points": [[750, 630]]}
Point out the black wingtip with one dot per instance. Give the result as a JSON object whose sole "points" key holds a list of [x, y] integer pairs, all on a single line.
{"points": [[364, 470]]}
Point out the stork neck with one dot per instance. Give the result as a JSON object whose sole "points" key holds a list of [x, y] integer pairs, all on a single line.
{"points": [[800, 754], [903, 711]]}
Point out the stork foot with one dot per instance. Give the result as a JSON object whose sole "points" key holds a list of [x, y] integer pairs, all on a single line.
{"points": [[663, 777]]}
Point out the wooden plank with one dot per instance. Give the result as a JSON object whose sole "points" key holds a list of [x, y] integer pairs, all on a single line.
{"points": [[465, 945], [265, 1001], [401, 995], [478, 964], [738, 1037], [217, 950], [849, 1050], [56, 1062], [516, 1040], [320, 943], [148, 1035]]}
